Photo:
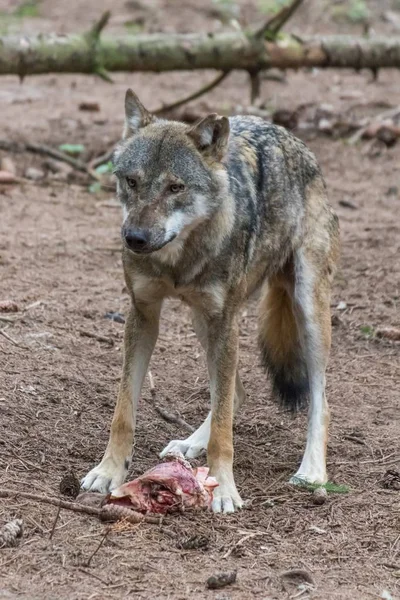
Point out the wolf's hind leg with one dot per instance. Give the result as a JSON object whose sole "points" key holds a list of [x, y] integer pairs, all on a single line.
{"points": [[196, 444], [312, 311]]}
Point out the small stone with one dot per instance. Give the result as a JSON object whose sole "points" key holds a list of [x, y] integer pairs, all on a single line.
{"points": [[319, 496], [220, 580], [342, 305], [115, 316], [34, 174], [89, 105], [387, 135], [348, 204], [393, 190]]}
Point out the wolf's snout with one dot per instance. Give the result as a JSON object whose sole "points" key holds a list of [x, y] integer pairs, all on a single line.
{"points": [[137, 239]]}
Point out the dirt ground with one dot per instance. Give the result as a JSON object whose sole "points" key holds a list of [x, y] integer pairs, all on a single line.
{"points": [[60, 262]]}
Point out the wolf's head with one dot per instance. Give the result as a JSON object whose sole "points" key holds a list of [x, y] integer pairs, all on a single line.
{"points": [[169, 178]]}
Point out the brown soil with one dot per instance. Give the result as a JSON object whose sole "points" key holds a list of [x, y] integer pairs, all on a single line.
{"points": [[59, 260]]}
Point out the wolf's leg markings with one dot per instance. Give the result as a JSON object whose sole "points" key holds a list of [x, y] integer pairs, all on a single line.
{"points": [[141, 332], [311, 299], [222, 358], [196, 444]]}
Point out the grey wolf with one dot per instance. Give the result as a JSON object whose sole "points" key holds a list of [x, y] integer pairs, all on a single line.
{"points": [[213, 213]]}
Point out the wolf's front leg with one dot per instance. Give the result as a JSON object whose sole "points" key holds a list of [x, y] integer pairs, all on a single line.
{"points": [[222, 354], [141, 332]]}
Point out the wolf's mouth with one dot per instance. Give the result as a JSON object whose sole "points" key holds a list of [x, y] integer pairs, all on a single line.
{"points": [[150, 248]]}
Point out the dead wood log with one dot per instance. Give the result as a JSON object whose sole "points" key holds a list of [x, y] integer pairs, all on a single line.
{"points": [[33, 55]]}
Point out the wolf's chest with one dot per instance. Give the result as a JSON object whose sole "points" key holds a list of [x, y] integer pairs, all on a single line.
{"points": [[209, 299]]}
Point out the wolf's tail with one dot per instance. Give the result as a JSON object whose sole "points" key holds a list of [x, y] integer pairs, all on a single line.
{"points": [[282, 353]]}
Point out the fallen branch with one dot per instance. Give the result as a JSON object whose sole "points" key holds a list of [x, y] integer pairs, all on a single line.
{"points": [[47, 151], [167, 416], [105, 513], [204, 90], [34, 55], [103, 158], [14, 342]]}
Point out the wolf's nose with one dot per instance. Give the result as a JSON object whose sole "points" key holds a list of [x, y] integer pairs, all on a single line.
{"points": [[136, 239]]}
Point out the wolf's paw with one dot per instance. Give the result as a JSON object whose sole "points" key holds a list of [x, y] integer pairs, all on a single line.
{"points": [[189, 448], [226, 497], [302, 478], [107, 476]]}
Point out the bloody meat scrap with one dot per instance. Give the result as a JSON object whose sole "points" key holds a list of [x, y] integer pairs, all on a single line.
{"points": [[171, 486]]}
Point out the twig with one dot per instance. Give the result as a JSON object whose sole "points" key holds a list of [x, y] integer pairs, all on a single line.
{"points": [[99, 25], [103, 158], [255, 86], [87, 563], [47, 151], [107, 156], [80, 508], [242, 540], [55, 522], [82, 570], [203, 90], [106, 513], [14, 342], [95, 336], [93, 38], [355, 439], [167, 416], [276, 23], [8, 319], [387, 114], [172, 418]]}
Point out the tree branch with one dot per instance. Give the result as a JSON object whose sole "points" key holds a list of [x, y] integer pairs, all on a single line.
{"points": [[168, 52]]}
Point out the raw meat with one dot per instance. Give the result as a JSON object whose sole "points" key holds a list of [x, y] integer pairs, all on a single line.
{"points": [[170, 486]]}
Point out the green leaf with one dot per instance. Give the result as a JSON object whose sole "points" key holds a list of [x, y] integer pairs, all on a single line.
{"points": [[73, 149], [27, 9], [133, 27], [95, 188], [367, 330], [105, 168], [272, 7], [329, 486]]}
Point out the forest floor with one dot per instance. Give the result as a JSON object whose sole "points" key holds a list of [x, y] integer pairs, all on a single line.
{"points": [[60, 262]]}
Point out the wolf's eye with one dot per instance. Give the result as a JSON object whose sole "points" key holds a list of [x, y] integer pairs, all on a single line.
{"points": [[176, 187], [131, 182]]}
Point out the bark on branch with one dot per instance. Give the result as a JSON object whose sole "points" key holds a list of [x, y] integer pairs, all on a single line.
{"points": [[169, 52]]}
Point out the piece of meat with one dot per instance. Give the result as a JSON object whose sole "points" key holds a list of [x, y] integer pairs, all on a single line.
{"points": [[170, 486]]}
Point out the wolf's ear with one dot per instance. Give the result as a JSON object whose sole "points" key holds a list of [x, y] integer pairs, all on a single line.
{"points": [[136, 116], [211, 135]]}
